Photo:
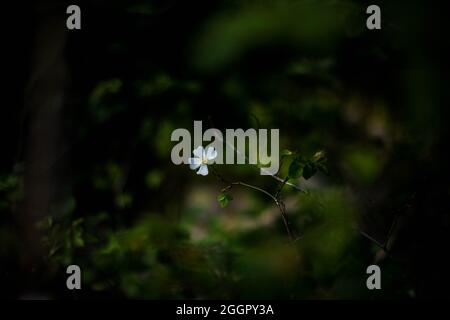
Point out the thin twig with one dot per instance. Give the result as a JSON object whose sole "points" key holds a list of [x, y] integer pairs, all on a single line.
{"points": [[280, 205], [375, 241], [240, 183], [277, 195]]}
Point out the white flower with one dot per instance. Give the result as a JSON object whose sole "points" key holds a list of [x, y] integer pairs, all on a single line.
{"points": [[202, 159]]}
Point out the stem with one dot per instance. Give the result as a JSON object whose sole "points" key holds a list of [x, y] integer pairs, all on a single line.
{"points": [[287, 224], [277, 195], [279, 204], [289, 184], [275, 198], [240, 183], [376, 242]]}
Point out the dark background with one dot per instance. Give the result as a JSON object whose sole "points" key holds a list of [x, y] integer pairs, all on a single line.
{"points": [[86, 176]]}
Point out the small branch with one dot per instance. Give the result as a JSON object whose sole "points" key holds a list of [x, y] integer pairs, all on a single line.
{"points": [[386, 246], [289, 184], [375, 241], [287, 224], [276, 198], [279, 204], [240, 183], [277, 195]]}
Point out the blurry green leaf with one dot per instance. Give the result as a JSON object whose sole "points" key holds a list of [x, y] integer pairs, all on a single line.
{"points": [[363, 164], [224, 199], [296, 168], [102, 103], [309, 170], [77, 233], [322, 167], [77, 222], [328, 230], [153, 178], [68, 206], [78, 238], [319, 157], [9, 182], [192, 87], [104, 89], [258, 123], [100, 286], [286, 153], [110, 176], [124, 200], [161, 139], [146, 129], [115, 173], [155, 86], [53, 250], [142, 8], [310, 25], [113, 245]]}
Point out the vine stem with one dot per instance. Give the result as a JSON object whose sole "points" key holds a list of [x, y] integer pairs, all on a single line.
{"points": [[240, 183], [285, 182], [277, 201], [275, 198]]}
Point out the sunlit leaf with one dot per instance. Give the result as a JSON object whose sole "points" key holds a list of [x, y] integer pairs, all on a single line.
{"points": [[224, 199]]}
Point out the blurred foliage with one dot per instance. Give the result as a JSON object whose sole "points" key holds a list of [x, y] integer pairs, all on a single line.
{"points": [[140, 227]]}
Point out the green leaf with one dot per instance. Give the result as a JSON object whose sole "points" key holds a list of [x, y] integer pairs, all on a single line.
{"points": [[319, 157], [78, 240], [319, 162], [124, 200], [77, 222], [224, 199], [309, 170], [286, 153], [322, 167], [296, 168]]}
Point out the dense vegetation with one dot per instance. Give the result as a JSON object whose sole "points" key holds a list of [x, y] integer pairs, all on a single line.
{"points": [[86, 176]]}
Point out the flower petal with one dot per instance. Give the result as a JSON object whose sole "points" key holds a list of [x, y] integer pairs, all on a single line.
{"points": [[211, 153], [203, 170], [194, 163], [198, 152]]}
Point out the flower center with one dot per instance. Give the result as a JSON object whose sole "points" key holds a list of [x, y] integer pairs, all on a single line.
{"points": [[204, 160]]}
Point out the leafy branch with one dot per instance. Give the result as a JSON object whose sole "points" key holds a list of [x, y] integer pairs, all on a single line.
{"points": [[299, 166]]}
